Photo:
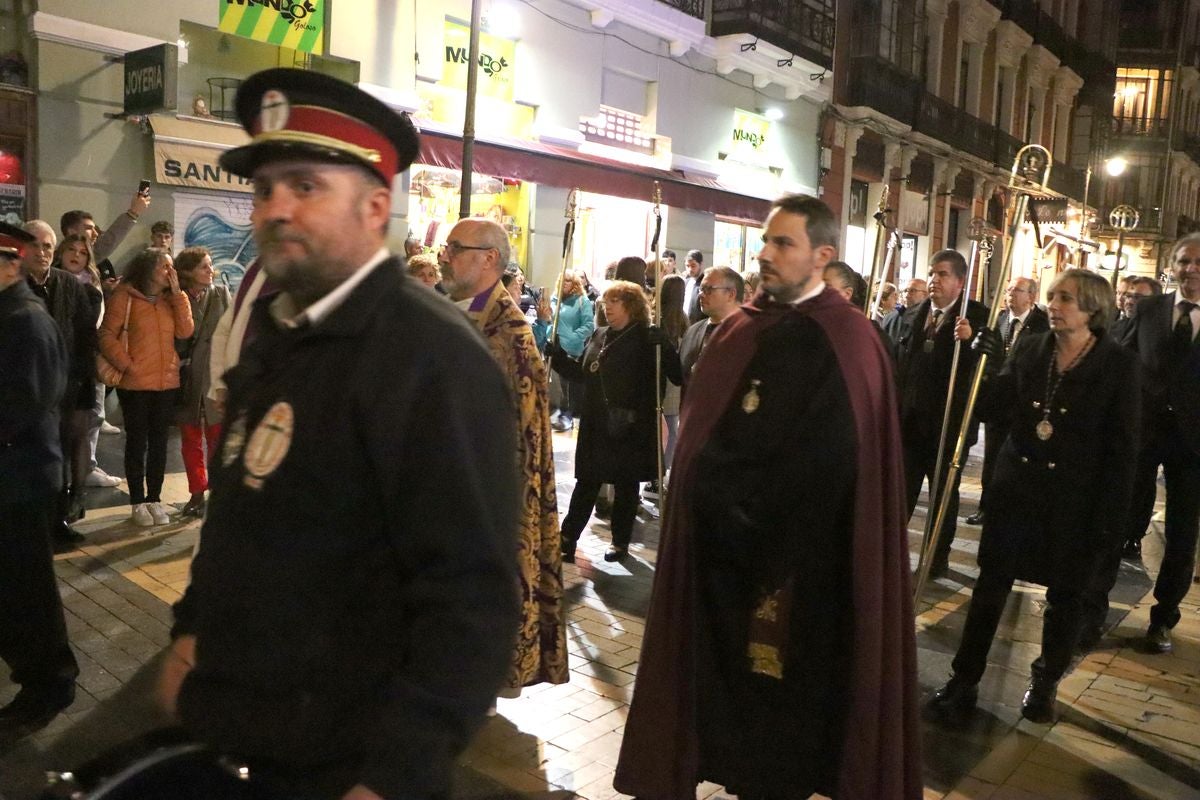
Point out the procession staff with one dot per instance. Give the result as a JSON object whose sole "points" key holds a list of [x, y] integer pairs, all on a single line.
{"points": [[658, 355], [348, 643], [568, 241], [1030, 174]]}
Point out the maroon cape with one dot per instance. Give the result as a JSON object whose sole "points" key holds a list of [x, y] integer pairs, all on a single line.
{"points": [[881, 756]]}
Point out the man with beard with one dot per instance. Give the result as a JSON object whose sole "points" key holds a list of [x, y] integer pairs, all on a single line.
{"points": [[779, 656], [353, 602]]}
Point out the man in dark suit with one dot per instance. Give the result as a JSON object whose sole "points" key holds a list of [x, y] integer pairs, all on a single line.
{"points": [[926, 355], [898, 325], [721, 292], [1021, 315], [1122, 330], [1165, 337]]}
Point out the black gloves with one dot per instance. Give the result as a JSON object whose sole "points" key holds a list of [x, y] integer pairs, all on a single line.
{"points": [[989, 343], [655, 336]]}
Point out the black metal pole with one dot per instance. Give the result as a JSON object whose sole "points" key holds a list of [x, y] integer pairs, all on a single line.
{"points": [[468, 153]]}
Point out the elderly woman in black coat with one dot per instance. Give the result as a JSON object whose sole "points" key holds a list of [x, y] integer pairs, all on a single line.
{"points": [[619, 428], [1061, 484]]}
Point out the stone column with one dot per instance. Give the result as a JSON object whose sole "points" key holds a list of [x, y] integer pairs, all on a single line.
{"points": [[1011, 45], [935, 26], [1040, 65], [1066, 86], [850, 136], [976, 19], [949, 177]]}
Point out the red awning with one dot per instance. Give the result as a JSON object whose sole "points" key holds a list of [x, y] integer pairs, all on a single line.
{"points": [[546, 164]]}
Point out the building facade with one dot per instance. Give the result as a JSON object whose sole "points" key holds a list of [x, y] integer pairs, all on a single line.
{"points": [[933, 98], [1156, 130], [604, 96]]}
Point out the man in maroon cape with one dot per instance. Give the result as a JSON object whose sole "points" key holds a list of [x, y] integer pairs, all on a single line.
{"points": [[779, 658]]}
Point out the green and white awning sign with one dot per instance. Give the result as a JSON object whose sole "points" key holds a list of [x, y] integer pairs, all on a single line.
{"points": [[295, 24]]}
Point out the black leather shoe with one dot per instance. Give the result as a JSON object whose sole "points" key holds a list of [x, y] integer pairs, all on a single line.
{"points": [[940, 567], [568, 549], [615, 553], [32, 709], [64, 539], [955, 700], [1157, 640], [975, 519], [1038, 703], [1133, 549]]}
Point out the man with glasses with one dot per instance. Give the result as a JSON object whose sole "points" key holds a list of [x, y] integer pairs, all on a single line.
{"points": [[1021, 315], [899, 322], [472, 262], [353, 602], [721, 291], [1122, 330]]}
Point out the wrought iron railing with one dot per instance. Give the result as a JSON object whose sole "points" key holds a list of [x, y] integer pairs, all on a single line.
{"points": [[802, 27], [876, 83], [693, 8]]}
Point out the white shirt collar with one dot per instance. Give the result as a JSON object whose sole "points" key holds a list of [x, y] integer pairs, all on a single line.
{"points": [[1179, 298], [818, 287], [283, 308], [1019, 317]]}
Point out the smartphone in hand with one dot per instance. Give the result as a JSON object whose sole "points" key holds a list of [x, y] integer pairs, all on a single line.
{"points": [[143, 187]]}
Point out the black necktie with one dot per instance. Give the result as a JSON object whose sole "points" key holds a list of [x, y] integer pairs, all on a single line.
{"points": [[1012, 333], [1183, 332], [935, 319]]}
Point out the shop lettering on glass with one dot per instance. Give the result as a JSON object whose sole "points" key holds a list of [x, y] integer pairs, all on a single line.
{"points": [[150, 79], [495, 61]]}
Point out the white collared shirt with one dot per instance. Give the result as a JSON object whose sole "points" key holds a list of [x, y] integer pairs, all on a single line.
{"points": [[284, 309]]}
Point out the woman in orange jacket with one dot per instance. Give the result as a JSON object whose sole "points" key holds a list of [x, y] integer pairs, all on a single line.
{"points": [[157, 313]]}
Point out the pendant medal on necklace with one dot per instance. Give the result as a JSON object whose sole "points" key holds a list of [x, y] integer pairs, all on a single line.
{"points": [[750, 400], [1044, 430], [594, 366]]}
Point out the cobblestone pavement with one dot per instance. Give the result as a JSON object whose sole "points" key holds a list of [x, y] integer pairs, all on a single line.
{"points": [[1129, 724]]}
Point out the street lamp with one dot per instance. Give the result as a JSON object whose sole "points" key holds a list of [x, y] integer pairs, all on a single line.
{"points": [[1113, 167]]}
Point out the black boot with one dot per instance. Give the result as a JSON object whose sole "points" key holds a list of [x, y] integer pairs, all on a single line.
{"points": [[568, 548], [954, 701], [33, 708], [1038, 703]]}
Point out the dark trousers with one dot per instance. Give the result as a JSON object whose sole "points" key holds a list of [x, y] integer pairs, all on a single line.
{"points": [[624, 510], [148, 418], [1060, 629], [572, 397], [33, 632], [994, 434], [920, 461]]}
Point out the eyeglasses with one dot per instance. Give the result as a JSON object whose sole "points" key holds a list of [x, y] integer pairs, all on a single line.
{"points": [[453, 248], [1011, 290], [711, 289]]}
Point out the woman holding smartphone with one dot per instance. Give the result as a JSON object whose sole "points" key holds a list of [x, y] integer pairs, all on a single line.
{"points": [[149, 305]]}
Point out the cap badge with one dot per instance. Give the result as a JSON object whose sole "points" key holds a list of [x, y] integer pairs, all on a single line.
{"points": [[274, 112]]}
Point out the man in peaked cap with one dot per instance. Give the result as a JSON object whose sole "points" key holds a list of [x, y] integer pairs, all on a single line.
{"points": [[33, 377], [346, 642]]}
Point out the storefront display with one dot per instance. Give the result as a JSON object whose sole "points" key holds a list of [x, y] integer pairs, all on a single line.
{"points": [[434, 200], [736, 245]]}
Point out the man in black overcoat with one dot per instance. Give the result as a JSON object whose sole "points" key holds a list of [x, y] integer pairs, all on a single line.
{"points": [[1165, 336], [353, 603], [33, 373], [926, 354]]}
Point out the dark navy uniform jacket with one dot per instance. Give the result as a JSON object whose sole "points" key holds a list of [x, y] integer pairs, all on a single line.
{"points": [[355, 593]]}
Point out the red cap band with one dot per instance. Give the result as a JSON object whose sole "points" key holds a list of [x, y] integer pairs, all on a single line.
{"points": [[10, 245], [323, 127]]}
